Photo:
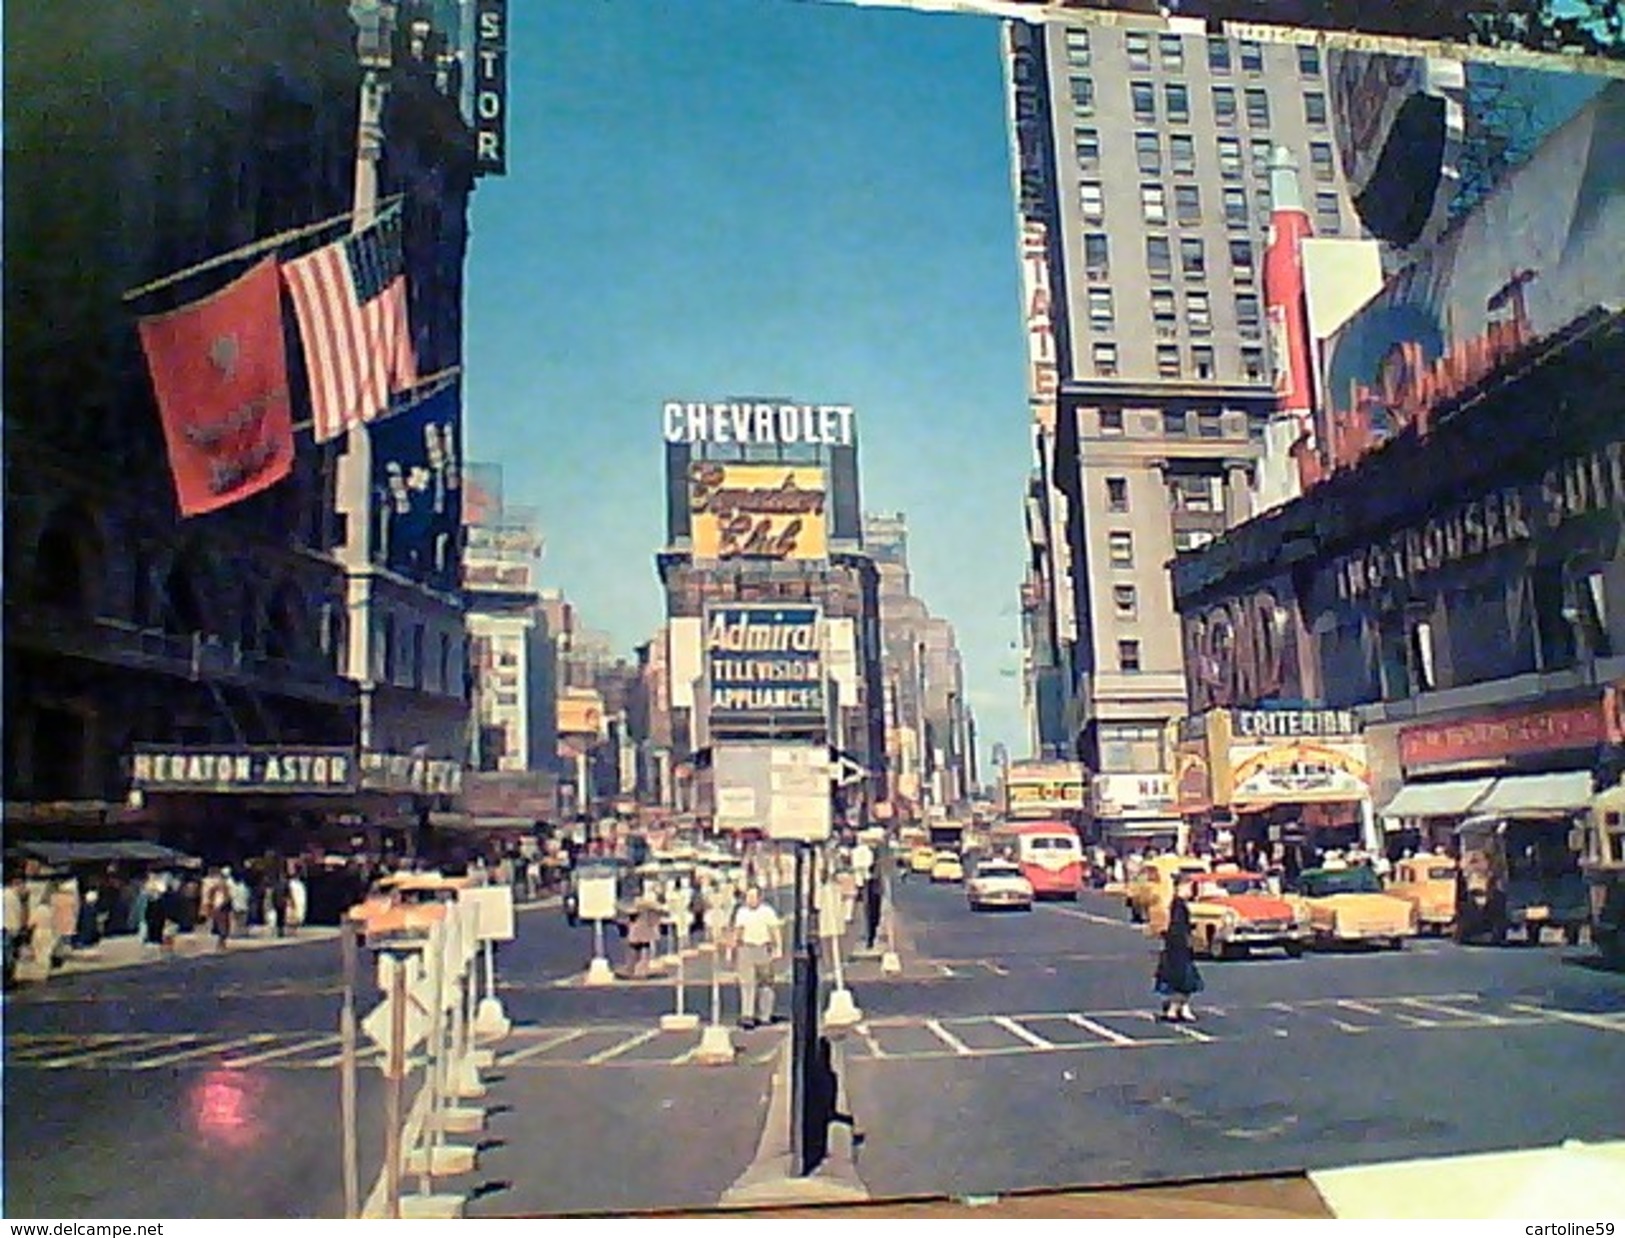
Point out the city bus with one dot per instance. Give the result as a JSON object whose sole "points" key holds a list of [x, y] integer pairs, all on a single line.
{"points": [[1049, 853]]}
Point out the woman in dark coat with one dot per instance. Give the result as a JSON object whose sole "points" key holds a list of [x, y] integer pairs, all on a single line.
{"points": [[1177, 979]]}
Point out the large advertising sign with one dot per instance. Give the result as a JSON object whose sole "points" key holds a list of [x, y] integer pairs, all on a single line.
{"points": [[1037, 217], [765, 668], [490, 93], [581, 712], [758, 511], [758, 423], [1243, 650], [1544, 249], [1498, 737]]}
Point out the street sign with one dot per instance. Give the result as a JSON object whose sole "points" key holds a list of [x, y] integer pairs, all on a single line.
{"points": [[377, 1026], [798, 777], [493, 910], [596, 898]]}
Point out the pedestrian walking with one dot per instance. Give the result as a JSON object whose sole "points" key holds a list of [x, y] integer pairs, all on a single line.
{"points": [[218, 906], [759, 943], [1177, 979], [871, 909], [16, 926]]}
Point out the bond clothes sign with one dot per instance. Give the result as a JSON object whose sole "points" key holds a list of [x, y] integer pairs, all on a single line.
{"points": [[765, 667], [216, 770], [1495, 738], [758, 424], [758, 511]]}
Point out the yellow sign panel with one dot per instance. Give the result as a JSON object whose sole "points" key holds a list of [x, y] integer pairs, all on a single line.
{"points": [[759, 511], [581, 714], [1055, 795], [1333, 771]]}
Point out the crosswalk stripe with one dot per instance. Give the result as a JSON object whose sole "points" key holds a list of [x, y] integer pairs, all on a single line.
{"points": [[96, 1056], [1015, 1029], [626, 1046], [536, 1050], [273, 1055], [1453, 1012], [947, 1038], [1597, 1022], [44, 1048], [186, 1055], [869, 1040], [1105, 1033]]}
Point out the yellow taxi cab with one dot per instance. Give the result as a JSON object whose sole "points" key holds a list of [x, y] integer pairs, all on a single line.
{"points": [[1152, 889], [921, 859], [1427, 882], [946, 866], [1348, 904]]}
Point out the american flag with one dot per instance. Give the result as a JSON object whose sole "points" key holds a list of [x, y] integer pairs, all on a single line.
{"points": [[350, 299]]}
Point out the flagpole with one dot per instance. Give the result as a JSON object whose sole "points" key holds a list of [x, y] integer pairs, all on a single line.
{"points": [[249, 250]]}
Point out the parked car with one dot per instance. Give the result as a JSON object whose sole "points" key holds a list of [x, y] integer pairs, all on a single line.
{"points": [[947, 866], [999, 883], [1235, 912], [921, 859], [1348, 905], [1428, 882]]}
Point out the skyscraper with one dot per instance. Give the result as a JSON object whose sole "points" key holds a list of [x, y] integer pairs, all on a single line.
{"points": [[1142, 179]]}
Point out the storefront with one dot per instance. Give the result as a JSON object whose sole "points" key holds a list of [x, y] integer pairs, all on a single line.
{"points": [[1263, 784], [1134, 811], [1531, 762]]}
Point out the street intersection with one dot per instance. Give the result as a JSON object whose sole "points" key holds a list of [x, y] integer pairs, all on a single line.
{"points": [[1015, 1051]]}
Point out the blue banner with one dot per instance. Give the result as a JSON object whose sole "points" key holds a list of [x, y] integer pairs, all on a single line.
{"points": [[766, 668], [417, 490]]}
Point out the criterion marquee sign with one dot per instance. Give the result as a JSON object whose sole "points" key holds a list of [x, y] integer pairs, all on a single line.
{"points": [[765, 665], [758, 511], [758, 424]]}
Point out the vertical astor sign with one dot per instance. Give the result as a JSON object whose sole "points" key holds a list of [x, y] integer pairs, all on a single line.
{"points": [[491, 87], [220, 374]]}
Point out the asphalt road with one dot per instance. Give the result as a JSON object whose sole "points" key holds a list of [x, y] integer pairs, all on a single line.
{"points": [[1017, 1050]]}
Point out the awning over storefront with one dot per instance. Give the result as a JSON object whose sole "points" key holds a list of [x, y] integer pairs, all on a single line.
{"points": [[1537, 795], [135, 852], [1451, 798]]}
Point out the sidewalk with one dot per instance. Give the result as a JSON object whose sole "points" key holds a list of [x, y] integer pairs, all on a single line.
{"points": [[115, 953]]}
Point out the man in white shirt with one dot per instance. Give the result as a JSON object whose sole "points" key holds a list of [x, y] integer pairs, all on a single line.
{"points": [[758, 936]]}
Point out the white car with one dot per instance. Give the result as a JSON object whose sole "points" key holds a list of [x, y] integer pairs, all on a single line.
{"points": [[998, 883]]}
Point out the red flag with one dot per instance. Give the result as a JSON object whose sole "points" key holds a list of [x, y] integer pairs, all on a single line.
{"points": [[220, 372]]}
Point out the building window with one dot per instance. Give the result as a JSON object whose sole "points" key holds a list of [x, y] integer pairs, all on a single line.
{"points": [[1320, 161], [1314, 107], [1101, 314], [1178, 96], [1172, 47], [1193, 494], [1422, 653], [1159, 257], [1164, 317], [1262, 203], [1083, 94], [1148, 152], [444, 683], [1117, 494], [1328, 214], [1252, 364], [1093, 201], [1261, 156], [1122, 548], [1258, 107], [1224, 106], [1188, 204], [418, 638], [1193, 257], [1308, 60], [1209, 424], [1247, 316], [1218, 55], [1106, 367], [1252, 57], [1129, 749], [1235, 208], [1144, 96], [1230, 158], [1198, 313], [1187, 540], [1111, 419], [1168, 363], [1154, 204], [1126, 601], [1173, 423], [1128, 656], [1078, 52], [1202, 361], [1086, 143], [1138, 47], [1097, 255], [1182, 154], [1241, 258]]}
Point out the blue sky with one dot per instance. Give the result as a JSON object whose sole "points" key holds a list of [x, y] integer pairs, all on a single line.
{"points": [[722, 196]]}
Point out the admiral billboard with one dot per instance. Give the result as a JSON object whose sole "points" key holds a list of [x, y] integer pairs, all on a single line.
{"points": [[765, 669]]}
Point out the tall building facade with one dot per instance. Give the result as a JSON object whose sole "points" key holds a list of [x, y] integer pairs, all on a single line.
{"points": [[1142, 178]]}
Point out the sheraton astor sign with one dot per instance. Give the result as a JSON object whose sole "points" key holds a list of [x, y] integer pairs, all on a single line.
{"points": [[244, 769]]}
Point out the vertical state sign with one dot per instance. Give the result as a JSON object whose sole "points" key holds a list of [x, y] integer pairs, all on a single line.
{"points": [[490, 68], [765, 668]]}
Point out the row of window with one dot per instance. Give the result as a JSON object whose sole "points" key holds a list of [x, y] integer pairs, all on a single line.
{"points": [[1148, 155], [1172, 363], [1171, 53], [1176, 103], [1198, 312], [1187, 206]]}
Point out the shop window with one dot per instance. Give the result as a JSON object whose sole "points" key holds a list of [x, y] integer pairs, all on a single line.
{"points": [[1394, 657]]}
